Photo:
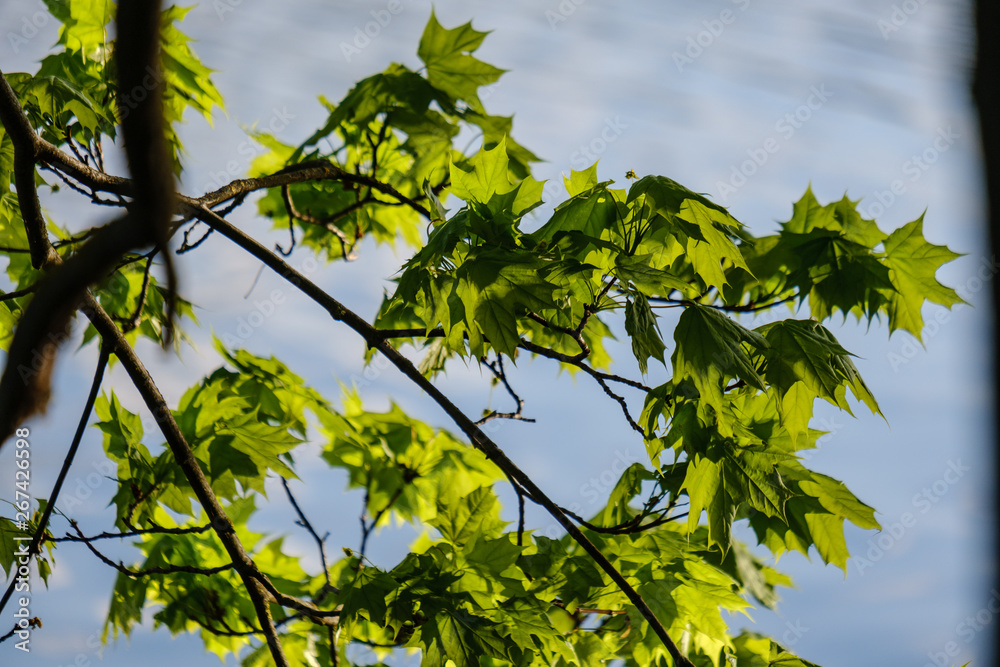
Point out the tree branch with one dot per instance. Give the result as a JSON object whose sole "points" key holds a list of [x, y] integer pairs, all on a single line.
{"points": [[320, 541], [24, 386], [26, 145], [169, 569], [478, 438]]}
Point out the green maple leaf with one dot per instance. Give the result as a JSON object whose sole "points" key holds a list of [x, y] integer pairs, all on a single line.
{"points": [[462, 519], [590, 211], [841, 217], [913, 262], [640, 325], [248, 447], [84, 24], [667, 196], [825, 529], [366, 595], [709, 348], [804, 361], [581, 181], [836, 273], [450, 67], [639, 271], [497, 128], [709, 243], [489, 175], [457, 637], [706, 489], [836, 498], [723, 476], [495, 287]]}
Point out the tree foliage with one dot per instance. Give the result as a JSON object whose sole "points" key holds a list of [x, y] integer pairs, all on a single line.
{"points": [[725, 419]]}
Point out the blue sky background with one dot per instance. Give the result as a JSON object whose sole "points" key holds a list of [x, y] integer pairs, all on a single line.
{"points": [[617, 69]]}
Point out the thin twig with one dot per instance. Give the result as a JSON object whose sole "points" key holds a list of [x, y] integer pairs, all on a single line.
{"points": [[131, 322], [500, 374], [17, 294], [186, 245], [346, 248], [320, 541], [169, 569], [131, 533], [43, 522]]}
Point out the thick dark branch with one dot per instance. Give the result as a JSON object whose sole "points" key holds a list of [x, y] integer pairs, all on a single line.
{"points": [[24, 386], [478, 438], [26, 145], [49, 154], [143, 130], [313, 170]]}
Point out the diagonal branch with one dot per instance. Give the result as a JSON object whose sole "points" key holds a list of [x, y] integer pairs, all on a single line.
{"points": [[476, 435], [260, 590]]}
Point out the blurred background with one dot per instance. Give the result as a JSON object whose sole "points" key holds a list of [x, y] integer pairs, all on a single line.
{"points": [[864, 98]]}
